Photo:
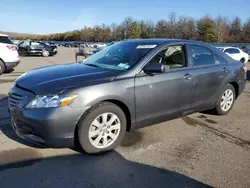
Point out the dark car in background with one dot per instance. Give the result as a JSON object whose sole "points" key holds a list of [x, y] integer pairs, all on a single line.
{"points": [[101, 48], [31, 47], [71, 44], [130, 85]]}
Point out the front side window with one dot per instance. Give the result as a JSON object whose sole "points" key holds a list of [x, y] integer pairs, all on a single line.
{"points": [[232, 51], [201, 55], [172, 57], [120, 56]]}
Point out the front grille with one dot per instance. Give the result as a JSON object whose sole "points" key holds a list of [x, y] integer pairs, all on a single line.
{"points": [[14, 99]]}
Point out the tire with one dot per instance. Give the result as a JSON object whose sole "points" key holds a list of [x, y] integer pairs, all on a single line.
{"points": [[94, 143], [45, 53], [242, 60], [2, 67], [229, 93]]}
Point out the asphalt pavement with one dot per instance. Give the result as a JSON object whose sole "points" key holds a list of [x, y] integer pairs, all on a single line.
{"points": [[199, 150]]}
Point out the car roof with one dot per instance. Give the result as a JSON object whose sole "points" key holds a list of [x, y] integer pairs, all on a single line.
{"points": [[3, 35], [162, 40]]}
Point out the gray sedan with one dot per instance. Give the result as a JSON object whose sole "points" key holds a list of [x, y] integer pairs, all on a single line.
{"points": [[129, 85]]}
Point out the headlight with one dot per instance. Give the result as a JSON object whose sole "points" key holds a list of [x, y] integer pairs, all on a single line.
{"points": [[50, 101]]}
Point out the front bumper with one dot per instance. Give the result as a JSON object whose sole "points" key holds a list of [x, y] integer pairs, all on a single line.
{"points": [[12, 64], [49, 127]]}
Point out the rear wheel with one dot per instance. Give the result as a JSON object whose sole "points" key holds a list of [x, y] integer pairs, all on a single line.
{"points": [[242, 60], [102, 128], [226, 100], [2, 67]]}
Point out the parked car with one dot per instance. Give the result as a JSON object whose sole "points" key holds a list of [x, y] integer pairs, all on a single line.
{"points": [[9, 57], [131, 84], [75, 44], [236, 53], [30, 47], [71, 44], [101, 48]]}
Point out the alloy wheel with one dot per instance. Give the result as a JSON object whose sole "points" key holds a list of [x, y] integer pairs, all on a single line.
{"points": [[227, 100], [104, 130]]}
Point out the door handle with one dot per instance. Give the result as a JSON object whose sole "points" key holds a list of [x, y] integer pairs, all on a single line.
{"points": [[224, 70], [187, 77]]}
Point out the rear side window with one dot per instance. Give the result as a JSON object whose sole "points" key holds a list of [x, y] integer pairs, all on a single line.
{"points": [[5, 40], [218, 59], [232, 51], [201, 55]]}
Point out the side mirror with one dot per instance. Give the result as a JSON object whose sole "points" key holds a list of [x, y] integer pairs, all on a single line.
{"points": [[154, 68], [227, 53]]}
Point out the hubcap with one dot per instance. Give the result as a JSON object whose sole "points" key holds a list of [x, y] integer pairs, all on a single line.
{"points": [[227, 100], [104, 130]]}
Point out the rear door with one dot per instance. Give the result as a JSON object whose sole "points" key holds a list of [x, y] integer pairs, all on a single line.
{"points": [[209, 72]]}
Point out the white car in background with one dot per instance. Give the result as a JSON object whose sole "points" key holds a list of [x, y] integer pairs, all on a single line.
{"points": [[235, 53], [9, 57]]}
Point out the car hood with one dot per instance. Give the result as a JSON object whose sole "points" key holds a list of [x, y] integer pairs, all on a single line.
{"points": [[56, 78]]}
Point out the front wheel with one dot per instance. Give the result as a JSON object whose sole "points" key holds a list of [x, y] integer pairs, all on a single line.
{"points": [[102, 128], [226, 100]]}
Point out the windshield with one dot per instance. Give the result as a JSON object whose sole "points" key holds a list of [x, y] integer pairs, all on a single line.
{"points": [[120, 56]]}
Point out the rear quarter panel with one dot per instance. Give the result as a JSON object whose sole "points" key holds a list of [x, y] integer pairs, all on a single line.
{"points": [[235, 74]]}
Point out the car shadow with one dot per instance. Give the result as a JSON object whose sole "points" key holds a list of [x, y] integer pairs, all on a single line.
{"points": [[80, 170], [9, 71]]}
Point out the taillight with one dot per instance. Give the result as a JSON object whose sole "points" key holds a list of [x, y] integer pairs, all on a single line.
{"points": [[11, 47], [244, 68]]}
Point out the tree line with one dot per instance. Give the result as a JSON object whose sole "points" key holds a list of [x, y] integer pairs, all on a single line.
{"points": [[206, 29]]}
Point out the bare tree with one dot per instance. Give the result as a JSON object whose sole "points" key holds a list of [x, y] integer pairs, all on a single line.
{"points": [[222, 29], [246, 31]]}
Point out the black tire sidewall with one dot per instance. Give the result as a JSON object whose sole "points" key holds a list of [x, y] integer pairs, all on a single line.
{"points": [[85, 122], [242, 60], [218, 105], [2, 65]]}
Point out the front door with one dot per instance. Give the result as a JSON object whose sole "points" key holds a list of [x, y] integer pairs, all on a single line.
{"points": [[164, 94]]}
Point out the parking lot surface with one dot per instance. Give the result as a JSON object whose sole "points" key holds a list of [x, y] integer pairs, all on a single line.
{"points": [[199, 150]]}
